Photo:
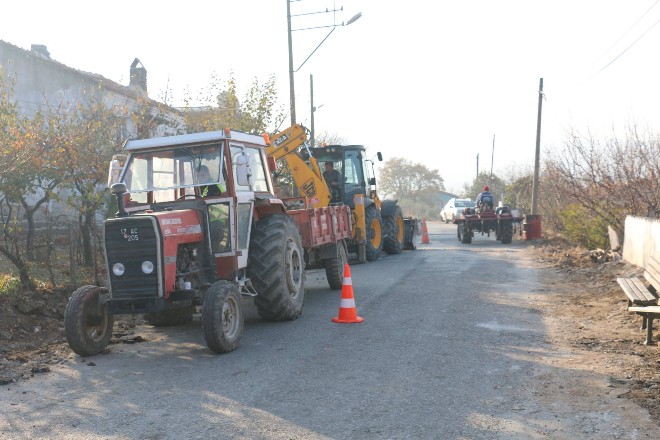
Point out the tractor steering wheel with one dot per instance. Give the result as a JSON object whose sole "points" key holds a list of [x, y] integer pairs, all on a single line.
{"points": [[189, 195]]}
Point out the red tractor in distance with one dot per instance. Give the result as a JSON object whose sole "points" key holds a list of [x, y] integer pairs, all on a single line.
{"points": [[198, 225], [484, 220]]}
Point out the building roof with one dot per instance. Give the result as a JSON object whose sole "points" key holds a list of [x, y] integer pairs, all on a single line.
{"points": [[131, 92]]}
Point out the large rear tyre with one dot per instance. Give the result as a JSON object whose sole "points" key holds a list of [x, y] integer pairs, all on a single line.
{"points": [[374, 224], [276, 268], [334, 267], [170, 317], [466, 236], [222, 317], [87, 326], [394, 228], [507, 231]]}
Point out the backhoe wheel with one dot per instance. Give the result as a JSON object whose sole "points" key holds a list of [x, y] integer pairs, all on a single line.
{"points": [[334, 267], [170, 317], [222, 317], [374, 226], [507, 231], [466, 236], [394, 229], [87, 326], [276, 268]]}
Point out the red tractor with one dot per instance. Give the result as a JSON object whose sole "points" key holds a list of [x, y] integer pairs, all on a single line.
{"points": [[484, 220], [198, 225]]}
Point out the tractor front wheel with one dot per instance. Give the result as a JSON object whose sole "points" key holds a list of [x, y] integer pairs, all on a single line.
{"points": [[87, 326], [222, 317]]}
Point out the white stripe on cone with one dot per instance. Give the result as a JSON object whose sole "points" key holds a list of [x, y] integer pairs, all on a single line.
{"points": [[347, 303], [347, 281]]}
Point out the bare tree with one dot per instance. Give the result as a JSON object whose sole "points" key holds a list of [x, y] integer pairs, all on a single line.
{"points": [[610, 178]]}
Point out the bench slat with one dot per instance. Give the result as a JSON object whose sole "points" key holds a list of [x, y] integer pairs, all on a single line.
{"points": [[636, 291], [646, 293], [648, 309], [652, 273]]}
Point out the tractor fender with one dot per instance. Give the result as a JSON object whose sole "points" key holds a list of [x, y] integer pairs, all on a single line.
{"points": [[265, 206]]}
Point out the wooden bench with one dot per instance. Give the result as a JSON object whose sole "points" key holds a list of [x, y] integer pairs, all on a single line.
{"points": [[643, 300]]}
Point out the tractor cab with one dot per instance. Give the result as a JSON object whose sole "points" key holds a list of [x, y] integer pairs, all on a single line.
{"points": [[195, 196], [356, 170]]}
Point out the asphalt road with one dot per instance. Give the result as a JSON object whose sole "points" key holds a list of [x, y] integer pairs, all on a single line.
{"points": [[447, 350]]}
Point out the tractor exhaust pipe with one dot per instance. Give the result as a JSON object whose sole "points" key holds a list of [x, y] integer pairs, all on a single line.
{"points": [[119, 189]]}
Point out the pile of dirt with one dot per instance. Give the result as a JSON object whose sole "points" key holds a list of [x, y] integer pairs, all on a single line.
{"points": [[32, 333]]}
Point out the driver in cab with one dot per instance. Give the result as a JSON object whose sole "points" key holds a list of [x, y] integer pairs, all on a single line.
{"points": [[204, 176]]}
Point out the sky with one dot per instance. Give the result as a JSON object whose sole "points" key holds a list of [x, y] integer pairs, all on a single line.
{"points": [[437, 82]]}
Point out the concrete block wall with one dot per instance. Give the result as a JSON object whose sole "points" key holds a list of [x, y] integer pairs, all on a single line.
{"points": [[642, 240]]}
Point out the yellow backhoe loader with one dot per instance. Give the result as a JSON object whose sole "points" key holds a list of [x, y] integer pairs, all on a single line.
{"points": [[376, 225]]}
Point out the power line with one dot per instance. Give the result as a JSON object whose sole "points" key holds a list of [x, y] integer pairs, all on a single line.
{"points": [[627, 48], [629, 29]]}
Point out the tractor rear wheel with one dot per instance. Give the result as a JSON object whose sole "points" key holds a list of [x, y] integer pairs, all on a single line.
{"points": [[87, 326], [466, 236], [276, 268], [334, 267], [507, 231], [222, 317], [374, 226], [394, 229], [170, 317]]}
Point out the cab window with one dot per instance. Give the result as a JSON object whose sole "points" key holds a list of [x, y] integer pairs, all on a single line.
{"points": [[258, 181]]}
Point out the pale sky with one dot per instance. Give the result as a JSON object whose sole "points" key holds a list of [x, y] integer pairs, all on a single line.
{"points": [[432, 81]]}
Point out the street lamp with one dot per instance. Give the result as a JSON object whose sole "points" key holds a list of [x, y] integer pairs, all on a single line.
{"points": [[292, 96]]}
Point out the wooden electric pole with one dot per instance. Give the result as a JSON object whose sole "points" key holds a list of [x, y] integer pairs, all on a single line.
{"points": [[535, 187]]}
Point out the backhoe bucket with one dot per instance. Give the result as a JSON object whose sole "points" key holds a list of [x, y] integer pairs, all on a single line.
{"points": [[411, 226]]}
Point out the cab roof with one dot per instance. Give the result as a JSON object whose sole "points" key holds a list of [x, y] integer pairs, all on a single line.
{"points": [[193, 138]]}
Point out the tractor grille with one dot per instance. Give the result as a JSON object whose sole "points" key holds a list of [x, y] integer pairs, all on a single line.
{"points": [[131, 241]]}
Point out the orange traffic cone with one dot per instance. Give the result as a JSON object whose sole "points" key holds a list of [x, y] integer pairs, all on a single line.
{"points": [[425, 233], [347, 310]]}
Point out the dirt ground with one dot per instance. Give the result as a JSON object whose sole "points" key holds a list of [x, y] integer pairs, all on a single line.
{"points": [[584, 310]]}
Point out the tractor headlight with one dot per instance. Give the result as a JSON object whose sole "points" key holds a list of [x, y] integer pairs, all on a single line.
{"points": [[147, 267], [118, 269]]}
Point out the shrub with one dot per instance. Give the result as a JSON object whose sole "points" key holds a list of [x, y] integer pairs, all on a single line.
{"points": [[9, 284], [580, 226]]}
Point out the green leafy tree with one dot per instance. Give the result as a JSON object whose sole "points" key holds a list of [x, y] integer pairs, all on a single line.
{"points": [[86, 137], [415, 186], [218, 106], [21, 149], [495, 183]]}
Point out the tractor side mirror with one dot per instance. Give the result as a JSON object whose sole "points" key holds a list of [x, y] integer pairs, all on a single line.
{"points": [[380, 156], [243, 172], [116, 166]]}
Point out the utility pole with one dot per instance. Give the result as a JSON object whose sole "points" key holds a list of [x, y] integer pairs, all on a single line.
{"points": [[492, 159], [535, 187], [311, 102], [292, 93], [477, 166]]}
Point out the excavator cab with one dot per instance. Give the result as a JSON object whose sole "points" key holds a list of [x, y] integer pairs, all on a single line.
{"points": [[349, 162]]}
